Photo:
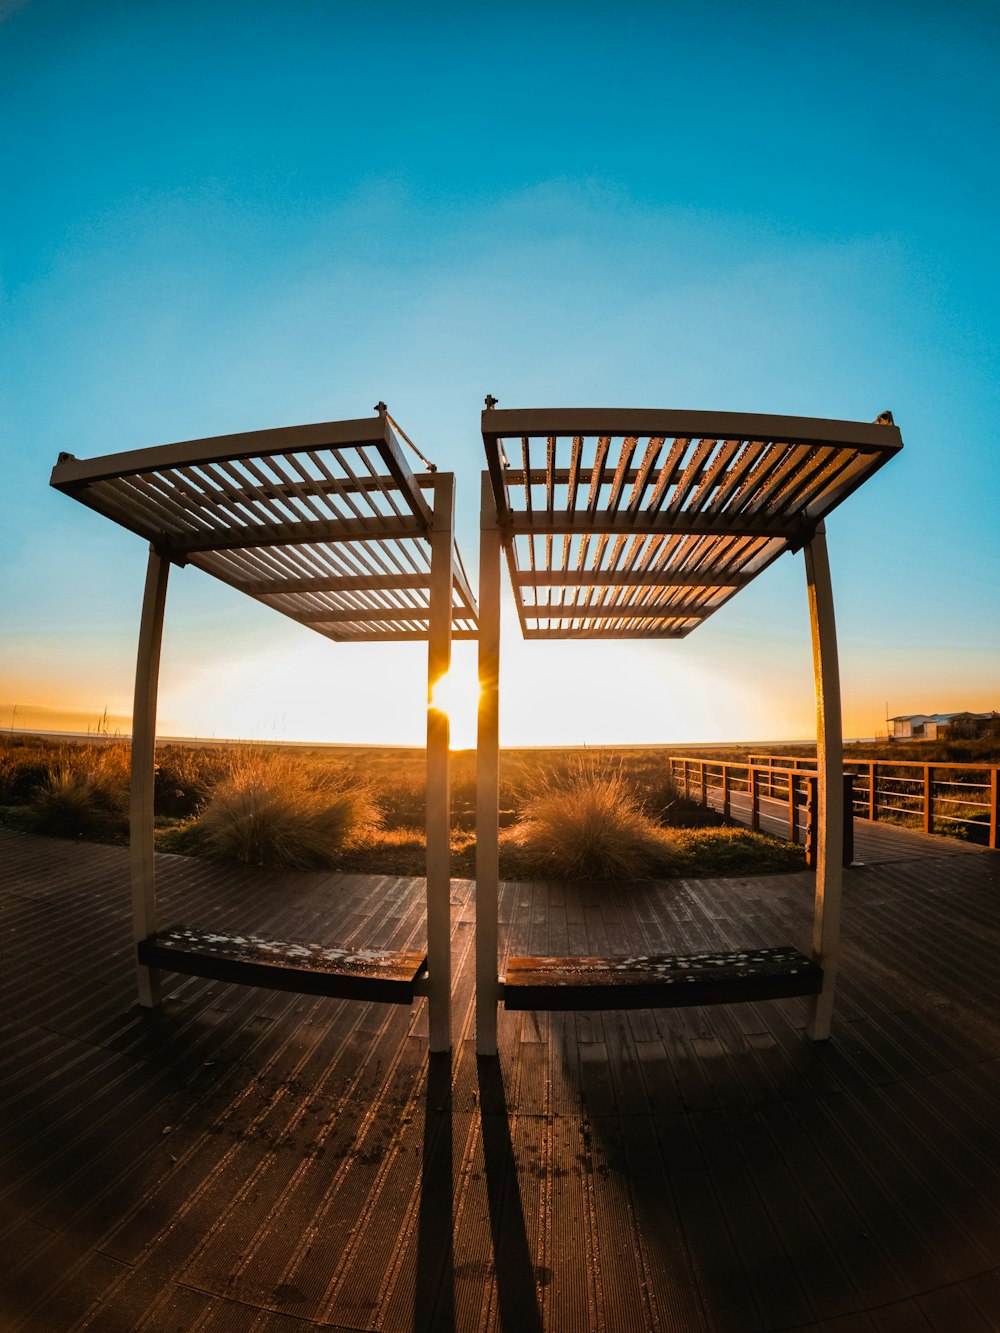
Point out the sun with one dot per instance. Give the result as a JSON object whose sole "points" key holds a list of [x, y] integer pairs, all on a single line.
{"points": [[457, 695]]}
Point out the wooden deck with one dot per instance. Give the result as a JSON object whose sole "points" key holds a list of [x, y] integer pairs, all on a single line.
{"points": [[256, 1160]]}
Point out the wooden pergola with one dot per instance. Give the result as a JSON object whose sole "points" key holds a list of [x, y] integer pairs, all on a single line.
{"points": [[327, 524], [625, 524]]}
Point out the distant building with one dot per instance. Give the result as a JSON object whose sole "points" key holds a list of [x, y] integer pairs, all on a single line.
{"points": [[943, 726]]}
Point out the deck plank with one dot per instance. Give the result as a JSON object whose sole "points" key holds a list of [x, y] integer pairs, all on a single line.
{"points": [[260, 1160]]}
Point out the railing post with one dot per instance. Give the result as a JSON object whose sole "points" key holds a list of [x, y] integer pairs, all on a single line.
{"points": [[725, 791], [754, 799], [704, 792], [928, 799], [687, 789], [873, 791], [994, 835], [812, 822], [793, 831], [848, 819]]}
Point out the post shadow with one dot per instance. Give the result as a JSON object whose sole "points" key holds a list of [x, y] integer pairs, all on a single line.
{"points": [[434, 1288], [517, 1297]]}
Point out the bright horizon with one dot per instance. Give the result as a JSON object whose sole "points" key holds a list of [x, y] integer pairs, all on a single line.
{"points": [[216, 227]]}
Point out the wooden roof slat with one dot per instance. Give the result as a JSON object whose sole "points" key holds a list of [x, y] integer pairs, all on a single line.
{"points": [[791, 497], [661, 546], [669, 473], [749, 455], [629, 445], [689, 478], [642, 475], [710, 479], [767, 481], [573, 475], [597, 474], [283, 515]]}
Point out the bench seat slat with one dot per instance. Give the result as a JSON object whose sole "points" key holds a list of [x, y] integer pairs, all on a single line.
{"points": [[654, 981], [387, 975]]}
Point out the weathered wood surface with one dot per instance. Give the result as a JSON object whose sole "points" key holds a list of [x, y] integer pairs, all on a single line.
{"points": [[386, 975], [659, 981], [254, 1160]]}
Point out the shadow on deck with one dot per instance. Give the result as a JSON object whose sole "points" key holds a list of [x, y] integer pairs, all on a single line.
{"points": [[250, 1160]]}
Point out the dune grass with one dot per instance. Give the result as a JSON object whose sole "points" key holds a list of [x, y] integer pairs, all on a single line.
{"points": [[269, 810], [611, 814], [586, 824], [82, 800]]}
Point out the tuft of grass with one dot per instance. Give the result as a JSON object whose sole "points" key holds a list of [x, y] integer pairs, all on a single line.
{"points": [[708, 853], [581, 823], [269, 810], [83, 799]]}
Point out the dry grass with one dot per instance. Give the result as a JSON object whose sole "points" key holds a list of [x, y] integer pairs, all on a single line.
{"points": [[586, 824], [85, 799], [362, 809], [724, 852], [270, 810]]}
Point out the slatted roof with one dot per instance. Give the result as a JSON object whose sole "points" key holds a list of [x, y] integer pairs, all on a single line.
{"points": [[326, 523], [639, 524]]}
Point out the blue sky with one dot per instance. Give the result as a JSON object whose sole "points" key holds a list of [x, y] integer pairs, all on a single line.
{"points": [[221, 217]]}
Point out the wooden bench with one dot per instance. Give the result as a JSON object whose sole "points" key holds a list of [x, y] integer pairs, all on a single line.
{"points": [[655, 981], [388, 975]]}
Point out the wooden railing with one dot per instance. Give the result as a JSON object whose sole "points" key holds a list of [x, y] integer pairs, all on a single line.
{"points": [[777, 793], [956, 800], [779, 800]]}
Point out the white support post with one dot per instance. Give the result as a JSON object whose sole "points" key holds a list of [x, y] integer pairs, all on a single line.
{"points": [[830, 765], [147, 674], [488, 775], [438, 785]]}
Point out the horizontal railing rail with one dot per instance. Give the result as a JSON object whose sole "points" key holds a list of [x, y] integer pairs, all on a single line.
{"points": [[951, 799], [781, 801]]}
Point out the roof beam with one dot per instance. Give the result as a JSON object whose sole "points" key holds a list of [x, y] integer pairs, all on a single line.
{"points": [[70, 473], [581, 633], [624, 611], [360, 615], [561, 521], [289, 534], [499, 423], [336, 583], [633, 578]]}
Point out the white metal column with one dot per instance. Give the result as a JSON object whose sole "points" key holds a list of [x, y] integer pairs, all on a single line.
{"points": [[438, 784], [830, 764], [147, 675], [488, 775]]}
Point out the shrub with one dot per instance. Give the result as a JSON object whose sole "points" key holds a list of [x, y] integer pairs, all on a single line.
{"points": [[86, 797], [268, 810], [584, 824], [20, 777], [184, 778]]}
